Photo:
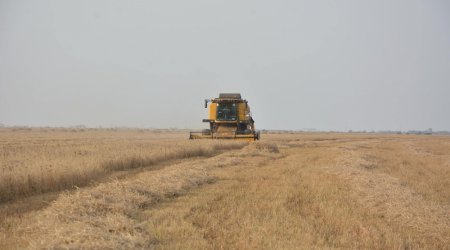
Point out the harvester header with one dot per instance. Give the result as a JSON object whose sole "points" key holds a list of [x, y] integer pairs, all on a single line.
{"points": [[229, 118]]}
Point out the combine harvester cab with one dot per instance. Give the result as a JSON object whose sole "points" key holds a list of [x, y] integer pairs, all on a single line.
{"points": [[229, 118]]}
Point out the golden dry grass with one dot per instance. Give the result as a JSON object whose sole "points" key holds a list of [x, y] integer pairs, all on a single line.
{"points": [[289, 191], [37, 161], [302, 200]]}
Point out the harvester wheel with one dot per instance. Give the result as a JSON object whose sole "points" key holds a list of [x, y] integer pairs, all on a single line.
{"points": [[257, 136]]}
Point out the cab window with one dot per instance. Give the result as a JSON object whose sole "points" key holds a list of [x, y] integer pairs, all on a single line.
{"points": [[227, 112]]}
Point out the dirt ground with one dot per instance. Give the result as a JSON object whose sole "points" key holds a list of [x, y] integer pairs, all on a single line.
{"points": [[287, 191]]}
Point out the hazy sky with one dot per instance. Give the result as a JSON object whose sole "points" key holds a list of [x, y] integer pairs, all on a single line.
{"points": [[332, 65]]}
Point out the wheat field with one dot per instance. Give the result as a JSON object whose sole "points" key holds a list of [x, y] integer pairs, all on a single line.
{"points": [[146, 189], [39, 161]]}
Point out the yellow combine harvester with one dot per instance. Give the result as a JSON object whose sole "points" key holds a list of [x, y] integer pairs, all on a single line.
{"points": [[229, 118]]}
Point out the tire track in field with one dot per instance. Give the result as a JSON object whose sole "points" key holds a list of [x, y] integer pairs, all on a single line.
{"points": [[107, 215]]}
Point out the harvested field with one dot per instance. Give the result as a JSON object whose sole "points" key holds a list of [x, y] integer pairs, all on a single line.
{"points": [[142, 189], [35, 162]]}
